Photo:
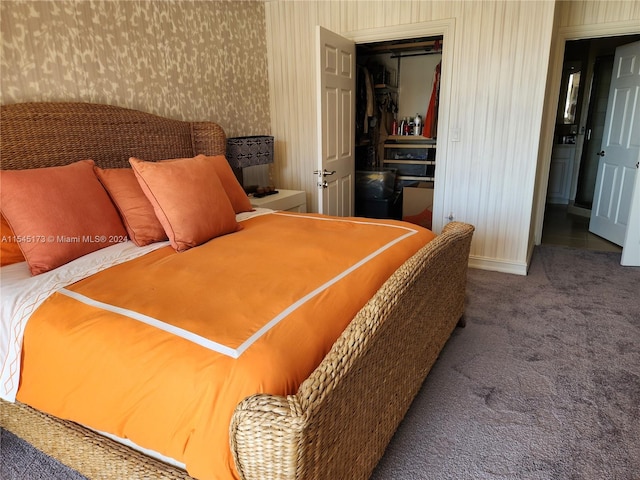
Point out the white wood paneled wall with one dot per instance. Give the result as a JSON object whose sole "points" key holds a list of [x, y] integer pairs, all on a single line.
{"points": [[500, 58]]}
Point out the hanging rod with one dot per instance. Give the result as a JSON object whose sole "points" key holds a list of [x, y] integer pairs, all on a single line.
{"points": [[403, 46]]}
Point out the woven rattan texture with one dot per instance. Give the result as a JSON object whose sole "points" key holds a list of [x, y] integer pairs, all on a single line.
{"points": [[46, 134], [89, 453], [344, 415]]}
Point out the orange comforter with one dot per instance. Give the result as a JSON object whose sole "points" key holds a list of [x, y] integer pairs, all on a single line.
{"points": [[161, 349]]}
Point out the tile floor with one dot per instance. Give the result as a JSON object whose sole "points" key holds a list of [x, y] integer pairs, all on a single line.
{"points": [[563, 228]]}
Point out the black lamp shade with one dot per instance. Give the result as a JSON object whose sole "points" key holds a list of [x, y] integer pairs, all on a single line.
{"points": [[249, 151]]}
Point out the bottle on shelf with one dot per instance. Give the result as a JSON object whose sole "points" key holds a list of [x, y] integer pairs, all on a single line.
{"points": [[417, 125]]}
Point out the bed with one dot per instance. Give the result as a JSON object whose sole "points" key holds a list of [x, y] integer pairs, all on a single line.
{"points": [[357, 361]]}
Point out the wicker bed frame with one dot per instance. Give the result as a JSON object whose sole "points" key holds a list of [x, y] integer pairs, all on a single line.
{"points": [[340, 421]]}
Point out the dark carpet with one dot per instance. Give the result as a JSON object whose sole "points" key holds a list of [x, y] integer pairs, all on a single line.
{"points": [[543, 383]]}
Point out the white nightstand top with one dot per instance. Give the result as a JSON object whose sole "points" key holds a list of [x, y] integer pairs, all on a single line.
{"points": [[294, 200]]}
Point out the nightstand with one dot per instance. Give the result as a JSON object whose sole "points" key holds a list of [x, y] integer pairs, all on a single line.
{"points": [[289, 200]]}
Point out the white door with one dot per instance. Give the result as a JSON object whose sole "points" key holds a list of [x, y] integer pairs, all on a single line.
{"points": [[631, 249], [617, 168], [336, 83]]}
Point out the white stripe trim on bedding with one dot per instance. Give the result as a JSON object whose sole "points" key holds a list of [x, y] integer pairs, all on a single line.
{"points": [[287, 311], [22, 294], [224, 349], [345, 220], [154, 322]]}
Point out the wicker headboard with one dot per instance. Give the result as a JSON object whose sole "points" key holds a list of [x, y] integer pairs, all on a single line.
{"points": [[48, 134]]}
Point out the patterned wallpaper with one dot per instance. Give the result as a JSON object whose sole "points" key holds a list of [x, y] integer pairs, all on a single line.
{"points": [[186, 59]]}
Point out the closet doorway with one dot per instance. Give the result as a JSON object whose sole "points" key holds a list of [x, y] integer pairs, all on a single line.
{"points": [[445, 29], [397, 104]]}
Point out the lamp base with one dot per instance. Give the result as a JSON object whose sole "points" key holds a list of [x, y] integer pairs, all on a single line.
{"points": [[259, 192], [260, 195]]}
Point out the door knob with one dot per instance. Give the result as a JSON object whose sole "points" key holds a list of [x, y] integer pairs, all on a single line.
{"points": [[324, 173], [600, 153]]}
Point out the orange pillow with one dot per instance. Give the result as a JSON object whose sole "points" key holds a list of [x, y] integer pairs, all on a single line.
{"points": [[9, 249], [59, 213], [235, 192], [135, 208], [188, 198]]}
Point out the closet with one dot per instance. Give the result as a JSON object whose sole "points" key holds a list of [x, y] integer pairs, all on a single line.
{"points": [[397, 95]]}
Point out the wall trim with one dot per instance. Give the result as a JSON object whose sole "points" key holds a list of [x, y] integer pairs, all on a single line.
{"points": [[398, 32], [611, 29], [576, 210], [485, 263]]}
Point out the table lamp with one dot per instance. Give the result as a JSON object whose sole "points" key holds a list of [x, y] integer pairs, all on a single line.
{"points": [[243, 152]]}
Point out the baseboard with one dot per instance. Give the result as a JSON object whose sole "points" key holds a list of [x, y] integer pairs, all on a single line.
{"points": [[484, 263], [575, 210]]}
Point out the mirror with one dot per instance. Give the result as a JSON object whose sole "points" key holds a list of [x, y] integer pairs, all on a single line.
{"points": [[569, 93], [571, 102]]}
